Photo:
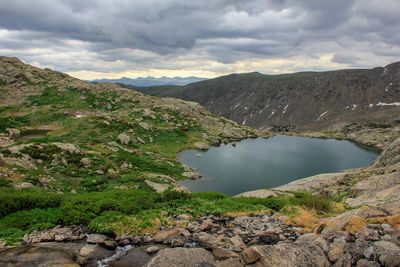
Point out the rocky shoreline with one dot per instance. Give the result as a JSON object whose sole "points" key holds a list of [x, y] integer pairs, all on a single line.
{"points": [[261, 240]]}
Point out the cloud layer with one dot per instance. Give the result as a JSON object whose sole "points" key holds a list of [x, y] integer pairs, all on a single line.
{"points": [[99, 38]]}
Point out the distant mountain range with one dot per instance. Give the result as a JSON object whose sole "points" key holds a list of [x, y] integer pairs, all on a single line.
{"points": [[297, 101], [152, 81]]}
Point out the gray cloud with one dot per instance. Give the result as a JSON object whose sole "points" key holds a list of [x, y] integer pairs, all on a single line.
{"points": [[73, 35]]}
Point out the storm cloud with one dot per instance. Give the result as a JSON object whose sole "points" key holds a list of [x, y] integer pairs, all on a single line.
{"points": [[205, 38]]}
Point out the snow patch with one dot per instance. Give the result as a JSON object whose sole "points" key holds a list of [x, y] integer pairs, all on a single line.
{"points": [[323, 114], [354, 107], [245, 108], [389, 104], [387, 87], [371, 105], [235, 107], [272, 113], [260, 111], [285, 108], [244, 122]]}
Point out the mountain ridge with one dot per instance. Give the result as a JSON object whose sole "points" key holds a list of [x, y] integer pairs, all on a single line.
{"points": [[298, 101]]}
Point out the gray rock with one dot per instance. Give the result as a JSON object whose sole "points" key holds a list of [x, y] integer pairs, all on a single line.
{"points": [[343, 261], [146, 126], [96, 239], [202, 145], [313, 239], [289, 254], [191, 175], [12, 132], [124, 139], [207, 225], [36, 256], [166, 236], [183, 217], [367, 263], [112, 173], [385, 248], [185, 257], [337, 249], [222, 254], [232, 262], [86, 161], [71, 148], [251, 255], [390, 260], [91, 252], [152, 249], [24, 185]]}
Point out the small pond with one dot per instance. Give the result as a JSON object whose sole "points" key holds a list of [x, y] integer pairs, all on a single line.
{"points": [[32, 134], [266, 163]]}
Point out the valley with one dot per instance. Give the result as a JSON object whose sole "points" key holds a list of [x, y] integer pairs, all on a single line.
{"points": [[91, 168]]}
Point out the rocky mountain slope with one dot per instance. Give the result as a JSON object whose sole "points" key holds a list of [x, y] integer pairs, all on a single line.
{"points": [[300, 101], [88, 170]]}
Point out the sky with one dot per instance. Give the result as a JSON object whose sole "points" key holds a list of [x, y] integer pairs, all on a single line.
{"points": [[94, 39]]}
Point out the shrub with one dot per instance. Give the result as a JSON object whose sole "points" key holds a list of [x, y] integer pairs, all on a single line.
{"points": [[11, 235], [210, 195], [171, 195], [77, 209], [34, 219], [12, 201], [307, 200]]}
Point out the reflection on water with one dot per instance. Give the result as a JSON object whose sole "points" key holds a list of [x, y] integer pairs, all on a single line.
{"points": [[266, 163]]}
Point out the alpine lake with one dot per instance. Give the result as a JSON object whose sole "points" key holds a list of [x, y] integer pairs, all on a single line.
{"points": [[270, 162]]}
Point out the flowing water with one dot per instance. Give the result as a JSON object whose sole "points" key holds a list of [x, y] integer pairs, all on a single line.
{"points": [[266, 163]]}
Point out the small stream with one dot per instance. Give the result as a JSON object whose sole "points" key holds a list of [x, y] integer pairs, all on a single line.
{"points": [[267, 163]]}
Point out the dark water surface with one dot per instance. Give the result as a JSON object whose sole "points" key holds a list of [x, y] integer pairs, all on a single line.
{"points": [[266, 163]]}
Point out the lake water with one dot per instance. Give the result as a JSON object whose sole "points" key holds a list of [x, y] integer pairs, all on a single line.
{"points": [[266, 163]]}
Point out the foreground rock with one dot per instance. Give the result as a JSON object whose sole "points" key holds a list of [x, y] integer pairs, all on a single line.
{"points": [[36, 256], [185, 257]]}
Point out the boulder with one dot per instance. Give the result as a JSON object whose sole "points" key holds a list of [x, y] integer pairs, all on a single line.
{"points": [[86, 161], [232, 262], [152, 249], [146, 126], [202, 145], [222, 253], [36, 256], [71, 148], [124, 139], [91, 252], [251, 255], [191, 175], [24, 185], [185, 257], [159, 188], [96, 239], [290, 254], [337, 249], [12, 132], [166, 236], [207, 225]]}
